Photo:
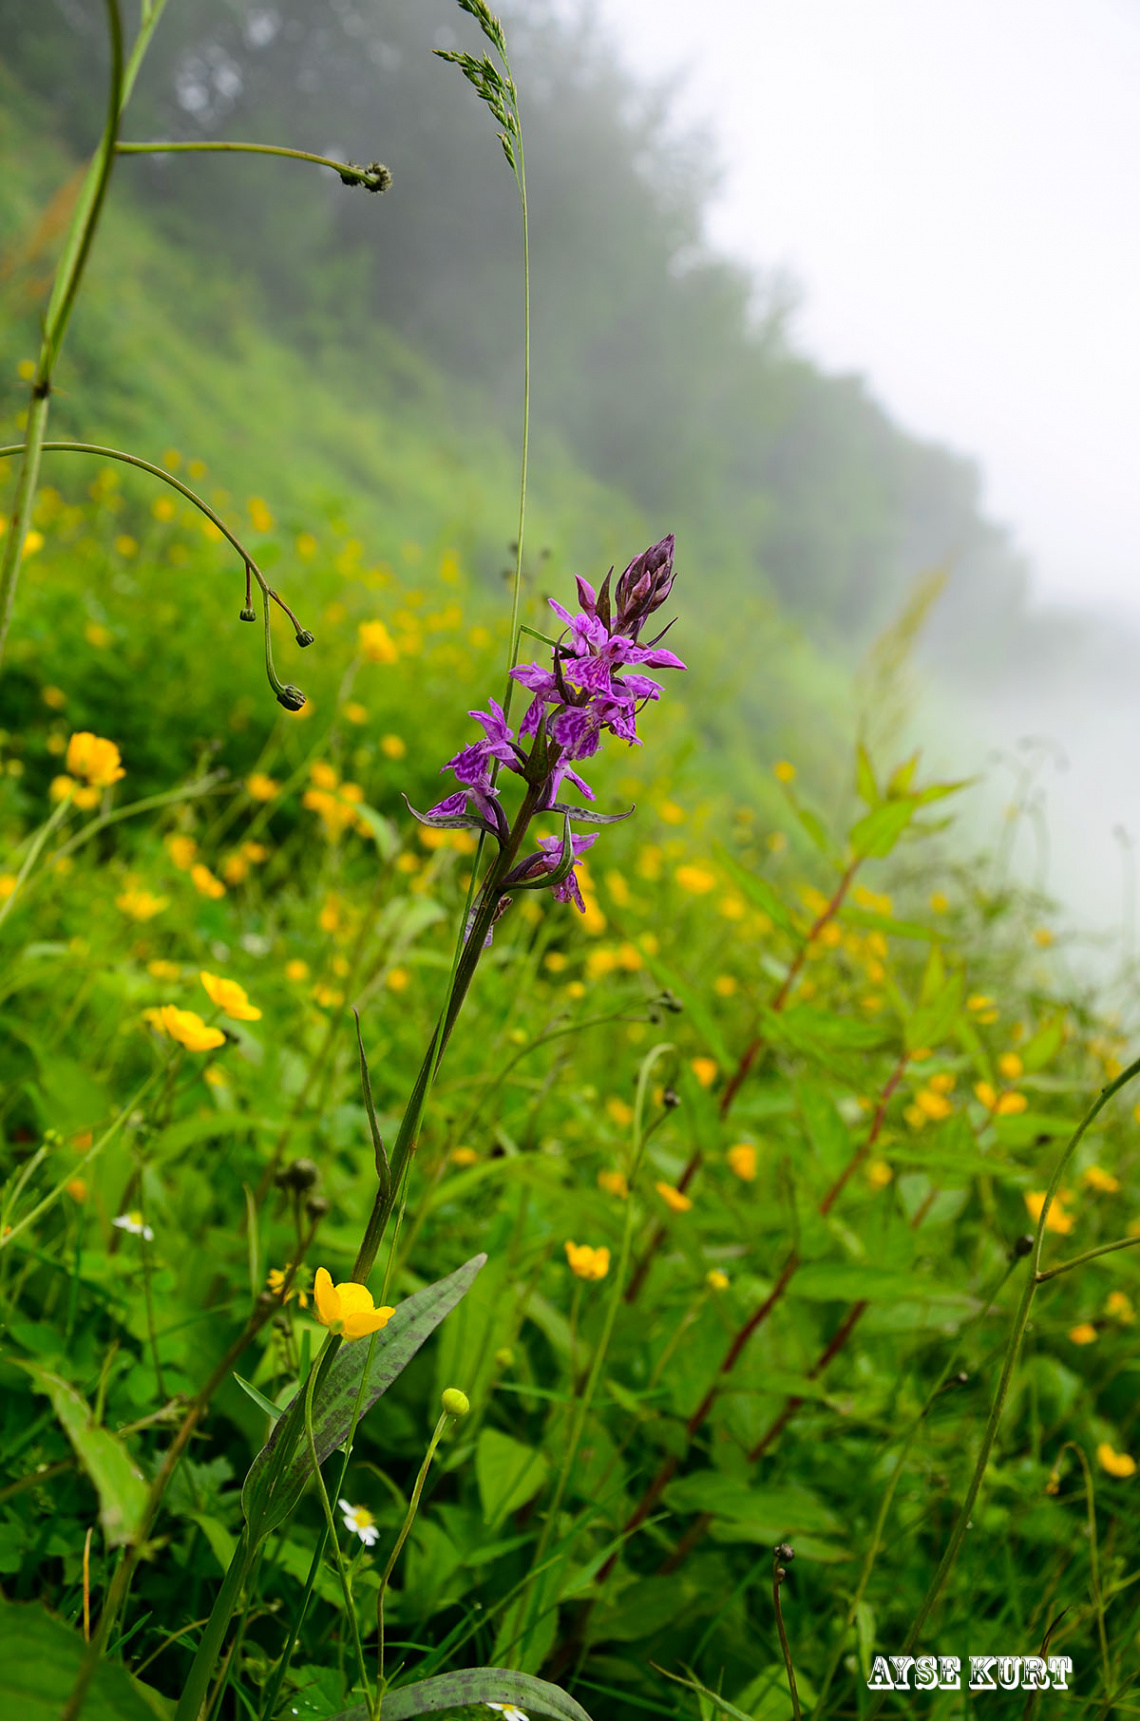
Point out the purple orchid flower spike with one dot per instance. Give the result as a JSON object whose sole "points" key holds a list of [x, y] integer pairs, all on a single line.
{"points": [[592, 686]]}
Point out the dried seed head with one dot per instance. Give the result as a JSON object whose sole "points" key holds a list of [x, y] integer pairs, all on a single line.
{"points": [[317, 1206]]}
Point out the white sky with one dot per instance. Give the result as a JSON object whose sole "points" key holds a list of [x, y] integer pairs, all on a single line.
{"points": [[955, 185]]}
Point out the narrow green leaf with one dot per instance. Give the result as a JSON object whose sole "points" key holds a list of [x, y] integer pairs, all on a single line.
{"points": [[382, 830], [933, 1023], [695, 1008], [252, 1241], [473, 1685], [1044, 1045], [758, 891], [273, 1411], [865, 782], [268, 1500], [885, 923], [119, 1483]]}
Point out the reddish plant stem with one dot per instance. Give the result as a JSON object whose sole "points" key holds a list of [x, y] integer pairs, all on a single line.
{"points": [[739, 1075], [748, 1058], [759, 1315], [697, 1530]]}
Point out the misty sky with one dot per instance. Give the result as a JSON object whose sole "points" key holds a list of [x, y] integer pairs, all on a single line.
{"points": [[955, 185]]}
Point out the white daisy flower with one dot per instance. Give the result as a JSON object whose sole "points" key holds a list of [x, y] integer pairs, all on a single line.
{"points": [[508, 1711], [133, 1222], [359, 1520]]}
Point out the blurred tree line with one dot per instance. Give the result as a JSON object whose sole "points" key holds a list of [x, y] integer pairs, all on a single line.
{"points": [[661, 367]]}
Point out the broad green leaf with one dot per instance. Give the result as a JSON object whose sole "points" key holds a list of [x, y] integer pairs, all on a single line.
{"points": [[781, 1510], [875, 835], [696, 1009], [826, 1130], [473, 1685], [769, 1697], [828, 1029], [1022, 1128], [268, 1500], [865, 777], [508, 1473], [758, 891], [40, 1658], [119, 1483], [641, 1610], [850, 1282], [1044, 1045]]}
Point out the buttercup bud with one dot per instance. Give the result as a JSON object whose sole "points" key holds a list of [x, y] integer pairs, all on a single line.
{"points": [[248, 613], [291, 697], [317, 1206], [455, 1403], [299, 1174], [1022, 1247], [505, 1357], [304, 637]]}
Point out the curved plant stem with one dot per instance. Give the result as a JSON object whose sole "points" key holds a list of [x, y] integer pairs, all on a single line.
{"points": [[154, 471], [330, 1523], [374, 178], [65, 290]]}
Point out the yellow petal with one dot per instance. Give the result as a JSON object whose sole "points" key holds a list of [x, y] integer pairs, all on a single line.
{"points": [[359, 1326], [327, 1300]]}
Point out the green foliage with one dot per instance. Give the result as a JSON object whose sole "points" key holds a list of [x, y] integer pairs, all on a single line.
{"points": [[747, 1147]]}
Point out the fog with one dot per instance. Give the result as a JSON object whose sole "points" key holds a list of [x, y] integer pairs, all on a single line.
{"points": [[952, 189]]}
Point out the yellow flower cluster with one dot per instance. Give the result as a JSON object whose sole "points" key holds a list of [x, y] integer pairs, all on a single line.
{"points": [[335, 803], [741, 1161], [1059, 1220], [376, 643], [675, 1199], [230, 997]]}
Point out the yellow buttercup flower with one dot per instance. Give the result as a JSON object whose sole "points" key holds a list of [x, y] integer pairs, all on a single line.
{"points": [[348, 1309], [879, 1173], [1058, 1219], [230, 997], [697, 880], [673, 1198], [462, 1156], [1010, 1104], [1095, 1178], [705, 1070], [587, 1263], [95, 760], [614, 1183], [204, 881], [1116, 1463], [986, 1094], [620, 1110], [276, 1283], [182, 851], [741, 1161], [259, 787], [716, 1280], [1084, 1334], [1119, 1306], [783, 771], [1010, 1066], [141, 904], [932, 1103], [376, 643], [185, 1026]]}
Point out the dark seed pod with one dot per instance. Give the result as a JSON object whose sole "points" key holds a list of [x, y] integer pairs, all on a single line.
{"points": [[317, 1206], [782, 1551], [670, 1099], [304, 637], [301, 1175], [291, 698], [1023, 1247]]}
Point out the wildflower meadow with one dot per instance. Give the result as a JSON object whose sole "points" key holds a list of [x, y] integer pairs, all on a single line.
{"points": [[515, 1201]]}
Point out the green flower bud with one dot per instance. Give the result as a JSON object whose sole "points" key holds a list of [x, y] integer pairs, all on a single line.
{"points": [[455, 1403], [505, 1357]]}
